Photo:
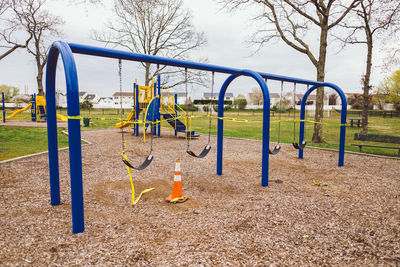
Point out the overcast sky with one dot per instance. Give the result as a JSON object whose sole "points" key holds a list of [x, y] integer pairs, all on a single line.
{"points": [[226, 35]]}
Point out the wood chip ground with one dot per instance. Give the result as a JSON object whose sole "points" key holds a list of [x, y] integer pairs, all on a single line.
{"points": [[230, 220]]}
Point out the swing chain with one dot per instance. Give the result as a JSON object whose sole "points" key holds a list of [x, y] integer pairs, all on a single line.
{"points": [[120, 99], [294, 112], [187, 110], [210, 107], [280, 111]]}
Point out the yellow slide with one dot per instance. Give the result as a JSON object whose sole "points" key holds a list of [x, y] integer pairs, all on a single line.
{"points": [[61, 117], [124, 124], [18, 111]]}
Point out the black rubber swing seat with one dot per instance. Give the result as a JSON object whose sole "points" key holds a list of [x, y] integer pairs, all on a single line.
{"points": [[142, 166], [277, 148], [202, 154], [301, 146]]}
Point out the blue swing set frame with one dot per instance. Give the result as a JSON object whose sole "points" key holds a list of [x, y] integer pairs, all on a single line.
{"points": [[66, 50]]}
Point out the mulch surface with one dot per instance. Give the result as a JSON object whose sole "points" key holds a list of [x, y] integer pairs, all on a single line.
{"points": [[228, 220]]}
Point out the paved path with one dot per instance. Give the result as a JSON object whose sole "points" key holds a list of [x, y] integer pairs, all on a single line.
{"points": [[60, 124]]}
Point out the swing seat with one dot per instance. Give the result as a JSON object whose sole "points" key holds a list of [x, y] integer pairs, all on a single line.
{"points": [[277, 148], [301, 146], [202, 154], [142, 166]]}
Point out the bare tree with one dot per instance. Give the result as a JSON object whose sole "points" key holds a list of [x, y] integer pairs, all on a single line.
{"points": [[392, 59], [11, 31], [293, 21], [373, 19], [153, 27], [41, 26], [256, 96]]}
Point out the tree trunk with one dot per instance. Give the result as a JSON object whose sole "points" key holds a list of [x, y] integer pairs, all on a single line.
{"points": [[147, 74], [319, 109], [366, 85], [39, 77]]}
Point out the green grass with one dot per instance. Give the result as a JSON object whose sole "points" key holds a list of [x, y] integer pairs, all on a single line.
{"points": [[253, 128], [331, 130], [19, 141]]}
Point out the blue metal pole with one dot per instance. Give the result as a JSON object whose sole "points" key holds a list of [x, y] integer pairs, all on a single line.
{"points": [[176, 110], [153, 126], [137, 109], [342, 120], [134, 105], [302, 118], [4, 107], [74, 133], [52, 126], [35, 104], [158, 113], [343, 117], [111, 53], [266, 123]]}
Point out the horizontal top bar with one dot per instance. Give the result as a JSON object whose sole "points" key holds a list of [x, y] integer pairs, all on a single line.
{"points": [[111, 53]]}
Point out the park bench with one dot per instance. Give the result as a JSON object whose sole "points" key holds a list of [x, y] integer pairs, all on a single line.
{"points": [[357, 120], [377, 138]]}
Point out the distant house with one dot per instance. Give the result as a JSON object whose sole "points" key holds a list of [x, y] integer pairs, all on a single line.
{"points": [[311, 99], [215, 96], [181, 97], [274, 98], [126, 98], [105, 102], [61, 99], [82, 96], [93, 98]]}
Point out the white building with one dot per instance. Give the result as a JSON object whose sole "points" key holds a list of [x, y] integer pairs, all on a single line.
{"points": [[61, 99], [105, 102], [93, 98], [215, 96], [82, 96], [274, 98], [126, 97], [181, 97]]}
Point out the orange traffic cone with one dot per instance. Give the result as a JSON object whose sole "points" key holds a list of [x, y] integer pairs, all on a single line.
{"points": [[177, 196]]}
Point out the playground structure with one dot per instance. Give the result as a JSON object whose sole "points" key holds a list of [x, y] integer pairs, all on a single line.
{"points": [[67, 50], [154, 102], [37, 106]]}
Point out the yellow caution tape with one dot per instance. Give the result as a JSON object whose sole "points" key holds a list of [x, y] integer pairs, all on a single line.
{"points": [[319, 183], [134, 201], [74, 117], [176, 199]]}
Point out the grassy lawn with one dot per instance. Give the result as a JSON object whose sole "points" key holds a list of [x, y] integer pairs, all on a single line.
{"points": [[331, 130], [253, 128], [19, 141]]}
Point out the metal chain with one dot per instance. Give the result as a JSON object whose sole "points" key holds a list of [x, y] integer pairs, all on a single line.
{"points": [[154, 107], [280, 111], [120, 98], [294, 112], [210, 107], [305, 113], [187, 111]]}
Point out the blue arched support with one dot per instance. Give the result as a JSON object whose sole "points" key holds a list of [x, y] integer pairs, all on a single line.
{"points": [[342, 119], [74, 132], [158, 112], [266, 122], [66, 51], [4, 107]]}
